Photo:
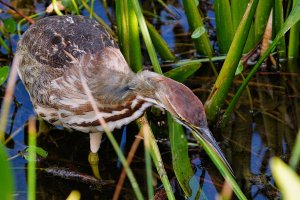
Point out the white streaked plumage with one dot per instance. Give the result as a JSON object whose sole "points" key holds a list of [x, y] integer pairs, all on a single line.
{"points": [[59, 52]]}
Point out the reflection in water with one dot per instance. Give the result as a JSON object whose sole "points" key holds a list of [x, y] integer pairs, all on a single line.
{"points": [[250, 139], [268, 130]]}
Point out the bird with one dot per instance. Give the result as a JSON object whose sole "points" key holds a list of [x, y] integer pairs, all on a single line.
{"points": [[57, 52]]}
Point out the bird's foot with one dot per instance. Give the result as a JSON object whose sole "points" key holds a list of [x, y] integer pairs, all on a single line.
{"points": [[94, 162]]}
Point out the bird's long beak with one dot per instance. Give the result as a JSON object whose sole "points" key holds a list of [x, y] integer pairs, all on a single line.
{"points": [[206, 135], [183, 105]]}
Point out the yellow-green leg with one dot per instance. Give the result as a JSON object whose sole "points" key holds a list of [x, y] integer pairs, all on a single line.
{"points": [[94, 162], [95, 141]]}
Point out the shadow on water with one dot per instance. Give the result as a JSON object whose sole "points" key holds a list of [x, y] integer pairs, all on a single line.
{"points": [[262, 125]]}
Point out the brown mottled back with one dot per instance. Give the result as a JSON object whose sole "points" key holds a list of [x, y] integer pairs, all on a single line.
{"points": [[49, 39]]}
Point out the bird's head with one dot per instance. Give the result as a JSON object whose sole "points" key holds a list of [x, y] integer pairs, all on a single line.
{"points": [[178, 99], [183, 105]]}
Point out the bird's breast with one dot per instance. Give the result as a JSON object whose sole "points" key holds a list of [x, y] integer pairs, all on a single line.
{"points": [[81, 116]]}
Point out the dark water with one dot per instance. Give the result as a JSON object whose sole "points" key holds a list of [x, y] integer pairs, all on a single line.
{"points": [[254, 134]]}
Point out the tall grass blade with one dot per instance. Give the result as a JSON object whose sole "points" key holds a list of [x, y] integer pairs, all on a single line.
{"points": [[160, 45], [122, 25], [7, 99], [128, 34], [261, 18], [223, 83], [6, 180], [74, 3], [278, 20], [238, 8], [146, 36], [293, 48], [147, 139], [158, 162], [92, 8], [202, 43], [202, 60], [134, 40], [180, 159], [31, 175], [224, 24], [292, 19]]}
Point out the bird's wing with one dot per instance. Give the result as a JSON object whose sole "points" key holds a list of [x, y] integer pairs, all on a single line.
{"points": [[52, 40], [109, 89], [105, 74]]}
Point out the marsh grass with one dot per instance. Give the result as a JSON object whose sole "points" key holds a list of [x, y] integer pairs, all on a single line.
{"points": [[31, 168], [293, 18], [6, 174], [241, 35]]}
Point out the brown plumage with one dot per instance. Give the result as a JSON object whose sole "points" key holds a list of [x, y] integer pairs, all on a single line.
{"points": [[56, 51]]}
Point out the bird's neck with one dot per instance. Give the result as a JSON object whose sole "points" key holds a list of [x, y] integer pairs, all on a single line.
{"points": [[124, 88], [144, 85]]}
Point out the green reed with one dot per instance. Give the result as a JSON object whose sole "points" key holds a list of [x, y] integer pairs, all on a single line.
{"points": [[202, 43], [223, 83], [292, 19], [31, 168], [6, 174], [224, 24]]}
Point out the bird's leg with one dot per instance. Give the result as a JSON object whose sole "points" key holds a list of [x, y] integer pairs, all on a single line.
{"points": [[95, 141]]}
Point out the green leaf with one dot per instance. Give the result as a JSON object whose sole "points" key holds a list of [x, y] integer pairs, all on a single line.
{"points": [[4, 71], [72, 5], [10, 25], [239, 69], [181, 73], [198, 32], [287, 180], [6, 180], [196, 2], [39, 151], [181, 161]]}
